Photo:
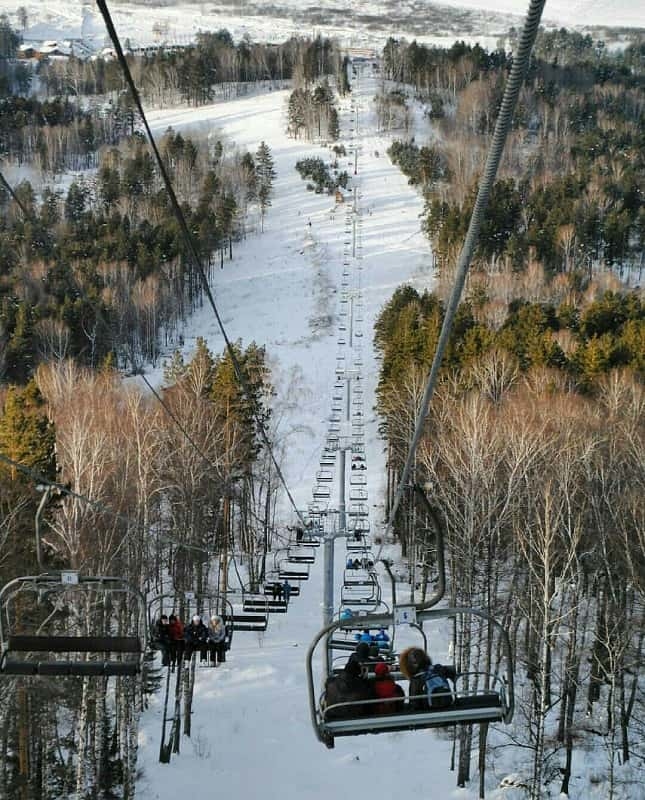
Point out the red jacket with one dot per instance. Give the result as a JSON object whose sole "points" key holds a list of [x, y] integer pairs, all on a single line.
{"points": [[385, 688], [177, 630]]}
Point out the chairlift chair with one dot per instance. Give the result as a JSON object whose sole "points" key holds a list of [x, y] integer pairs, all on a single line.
{"points": [[357, 577], [56, 636], [251, 622], [317, 509], [493, 702], [298, 554], [358, 510], [61, 602], [353, 594]]}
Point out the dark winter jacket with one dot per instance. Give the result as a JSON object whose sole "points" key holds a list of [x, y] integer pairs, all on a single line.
{"points": [[162, 633], [349, 686], [196, 634]]}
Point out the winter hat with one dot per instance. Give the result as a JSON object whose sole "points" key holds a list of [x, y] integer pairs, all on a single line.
{"points": [[197, 619], [414, 660], [362, 651], [381, 670]]}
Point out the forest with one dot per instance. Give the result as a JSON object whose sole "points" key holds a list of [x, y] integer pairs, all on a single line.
{"points": [[98, 272], [169, 484], [534, 449], [534, 446], [95, 281]]}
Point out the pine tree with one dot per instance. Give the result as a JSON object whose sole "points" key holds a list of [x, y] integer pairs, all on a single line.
{"points": [[265, 175], [19, 355], [26, 435], [174, 370]]}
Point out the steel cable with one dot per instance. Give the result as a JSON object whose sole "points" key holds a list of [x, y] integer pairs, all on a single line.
{"points": [[190, 245], [502, 126]]}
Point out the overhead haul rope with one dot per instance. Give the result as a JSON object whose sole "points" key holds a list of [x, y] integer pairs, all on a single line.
{"points": [[502, 126], [190, 245], [42, 480]]}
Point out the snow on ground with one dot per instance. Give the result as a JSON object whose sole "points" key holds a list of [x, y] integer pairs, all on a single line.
{"points": [[252, 736], [282, 289], [179, 22]]}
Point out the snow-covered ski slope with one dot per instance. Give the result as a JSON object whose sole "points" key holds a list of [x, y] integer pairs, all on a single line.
{"points": [[282, 288], [252, 736]]}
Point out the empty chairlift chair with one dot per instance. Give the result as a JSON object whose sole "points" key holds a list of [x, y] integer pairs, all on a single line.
{"points": [[321, 492], [70, 624], [293, 572], [64, 623], [250, 616]]}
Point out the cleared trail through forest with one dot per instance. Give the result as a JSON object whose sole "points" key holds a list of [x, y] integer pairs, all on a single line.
{"points": [[251, 730]]}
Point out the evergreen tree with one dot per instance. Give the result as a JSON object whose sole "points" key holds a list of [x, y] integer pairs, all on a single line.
{"points": [[265, 175], [26, 435], [20, 353]]}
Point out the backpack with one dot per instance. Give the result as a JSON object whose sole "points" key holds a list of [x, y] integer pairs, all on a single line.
{"points": [[438, 689]]}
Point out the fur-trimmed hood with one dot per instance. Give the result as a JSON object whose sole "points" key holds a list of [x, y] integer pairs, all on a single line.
{"points": [[413, 660]]}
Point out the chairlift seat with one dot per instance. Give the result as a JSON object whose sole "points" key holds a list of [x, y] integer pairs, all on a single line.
{"points": [[286, 574], [71, 644], [71, 668], [74, 644], [484, 707], [268, 590], [301, 558], [309, 542], [363, 578], [250, 622], [271, 606]]}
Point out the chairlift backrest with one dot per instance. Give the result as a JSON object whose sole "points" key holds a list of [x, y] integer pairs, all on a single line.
{"points": [[58, 637]]}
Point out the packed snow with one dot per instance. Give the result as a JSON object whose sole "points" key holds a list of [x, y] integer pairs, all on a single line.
{"points": [[252, 736]]}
